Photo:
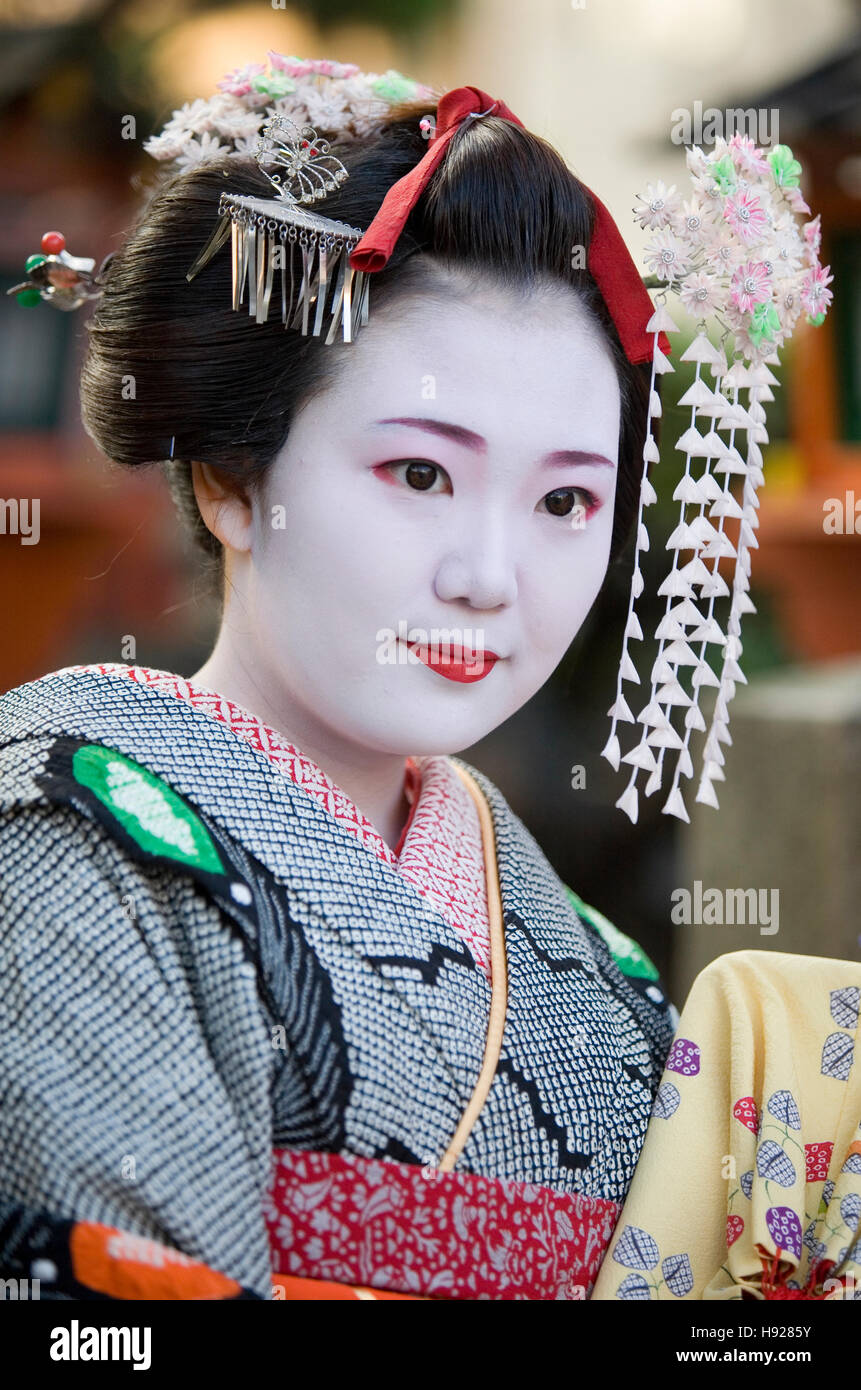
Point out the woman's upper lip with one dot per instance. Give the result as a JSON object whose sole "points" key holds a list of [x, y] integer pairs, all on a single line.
{"points": [[458, 653]]}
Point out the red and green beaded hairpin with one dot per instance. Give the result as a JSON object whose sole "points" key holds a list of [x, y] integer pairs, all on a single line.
{"points": [[65, 281]]}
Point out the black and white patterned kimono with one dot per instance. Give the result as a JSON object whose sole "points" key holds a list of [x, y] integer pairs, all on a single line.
{"points": [[218, 1005]]}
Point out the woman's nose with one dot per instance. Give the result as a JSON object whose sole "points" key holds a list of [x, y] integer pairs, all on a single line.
{"points": [[480, 570]]}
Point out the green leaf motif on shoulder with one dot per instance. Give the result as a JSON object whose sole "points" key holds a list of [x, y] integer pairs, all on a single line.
{"points": [[630, 958], [148, 809]]}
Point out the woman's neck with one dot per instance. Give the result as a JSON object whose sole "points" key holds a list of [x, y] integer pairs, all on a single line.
{"points": [[373, 781]]}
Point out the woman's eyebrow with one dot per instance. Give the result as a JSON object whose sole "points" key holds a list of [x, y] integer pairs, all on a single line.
{"points": [[470, 440], [456, 433], [562, 458]]}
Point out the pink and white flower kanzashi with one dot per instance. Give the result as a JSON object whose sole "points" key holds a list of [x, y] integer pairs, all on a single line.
{"points": [[745, 216], [238, 82], [698, 219], [697, 161], [796, 201], [700, 293], [738, 249], [667, 256], [659, 206], [750, 285], [788, 302], [815, 296], [337, 99], [724, 252], [813, 238], [304, 67], [198, 149], [750, 160]]}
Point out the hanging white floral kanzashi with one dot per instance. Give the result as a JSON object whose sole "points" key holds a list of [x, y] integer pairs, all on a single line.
{"points": [[744, 262]]}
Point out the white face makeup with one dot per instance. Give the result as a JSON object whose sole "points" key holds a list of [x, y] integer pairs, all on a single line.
{"points": [[430, 490]]}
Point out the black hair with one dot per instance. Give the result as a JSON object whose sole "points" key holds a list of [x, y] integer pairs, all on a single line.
{"points": [[173, 374]]}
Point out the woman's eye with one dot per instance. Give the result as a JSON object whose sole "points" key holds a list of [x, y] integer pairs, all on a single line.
{"points": [[422, 476], [563, 501]]}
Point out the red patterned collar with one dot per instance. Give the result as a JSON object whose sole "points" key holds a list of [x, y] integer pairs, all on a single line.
{"points": [[439, 849]]}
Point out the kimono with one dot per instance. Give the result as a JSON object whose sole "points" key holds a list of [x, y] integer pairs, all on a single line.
{"points": [[749, 1181], [247, 1050]]}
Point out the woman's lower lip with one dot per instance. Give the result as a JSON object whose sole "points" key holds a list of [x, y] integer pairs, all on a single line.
{"points": [[466, 669]]}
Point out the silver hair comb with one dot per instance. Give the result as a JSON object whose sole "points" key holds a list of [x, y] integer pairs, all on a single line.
{"points": [[272, 234]]}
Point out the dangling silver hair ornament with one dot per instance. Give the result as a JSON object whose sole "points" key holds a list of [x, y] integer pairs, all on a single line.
{"points": [[734, 253], [317, 284]]}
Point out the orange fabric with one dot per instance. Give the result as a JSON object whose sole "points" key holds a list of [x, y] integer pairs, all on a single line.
{"points": [[122, 1265], [290, 1287]]}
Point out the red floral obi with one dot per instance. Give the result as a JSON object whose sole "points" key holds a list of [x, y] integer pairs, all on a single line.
{"points": [[347, 1227]]}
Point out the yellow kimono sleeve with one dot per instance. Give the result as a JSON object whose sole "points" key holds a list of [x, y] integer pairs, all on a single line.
{"points": [[749, 1180]]}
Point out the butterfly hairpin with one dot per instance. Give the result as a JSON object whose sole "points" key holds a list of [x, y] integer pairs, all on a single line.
{"points": [[271, 234]]}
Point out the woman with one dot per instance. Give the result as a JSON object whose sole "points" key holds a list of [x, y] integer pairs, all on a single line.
{"points": [[289, 988]]}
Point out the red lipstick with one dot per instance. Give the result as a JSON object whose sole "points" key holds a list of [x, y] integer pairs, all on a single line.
{"points": [[454, 662]]}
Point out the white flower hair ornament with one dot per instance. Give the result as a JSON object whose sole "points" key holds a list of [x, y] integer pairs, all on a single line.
{"points": [[744, 262], [334, 98]]}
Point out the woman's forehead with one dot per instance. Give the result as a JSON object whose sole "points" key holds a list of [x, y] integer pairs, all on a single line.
{"points": [[528, 386], [487, 333]]}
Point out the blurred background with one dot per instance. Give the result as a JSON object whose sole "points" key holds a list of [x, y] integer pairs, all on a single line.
{"points": [[600, 80]]}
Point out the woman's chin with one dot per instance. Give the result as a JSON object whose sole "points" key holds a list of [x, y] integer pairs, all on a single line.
{"points": [[423, 734], [443, 719]]}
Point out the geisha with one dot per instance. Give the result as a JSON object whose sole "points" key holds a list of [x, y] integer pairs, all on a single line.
{"points": [[293, 1002]]}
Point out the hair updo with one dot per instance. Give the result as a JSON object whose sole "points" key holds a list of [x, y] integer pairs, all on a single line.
{"points": [[502, 204]]}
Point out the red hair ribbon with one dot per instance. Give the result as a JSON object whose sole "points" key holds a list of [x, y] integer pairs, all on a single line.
{"points": [[609, 259]]}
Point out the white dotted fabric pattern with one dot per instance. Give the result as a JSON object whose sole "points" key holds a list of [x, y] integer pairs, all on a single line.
{"points": [[143, 1036], [442, 852]]}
